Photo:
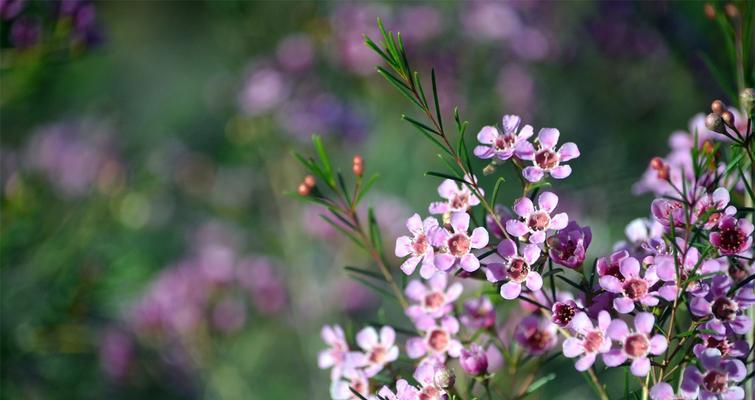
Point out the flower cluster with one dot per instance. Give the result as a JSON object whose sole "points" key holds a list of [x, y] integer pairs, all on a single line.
{"points": [[671, 299]]}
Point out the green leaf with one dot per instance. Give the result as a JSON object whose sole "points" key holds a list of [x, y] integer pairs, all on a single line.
{"points": [[327, 168], [342, 185], [365, 272], [357, 393], [497, 186], [540, 383], [399, 85], [442, 175], [374, 287], [366, 188], [375, 236], [343, 231], [435, 99]]}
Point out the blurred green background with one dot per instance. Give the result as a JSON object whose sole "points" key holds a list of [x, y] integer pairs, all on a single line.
{"points": [[148, 248]]}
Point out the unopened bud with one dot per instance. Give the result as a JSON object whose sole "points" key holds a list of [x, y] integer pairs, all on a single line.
{"points": [[310, 181], [444, 377], [728, 118], [709, 11], [717, 106], [660, 167], [708, 147], [731, 10], [715, 123], [303, 190], [474, 360], [747, 100], [358, 167]]}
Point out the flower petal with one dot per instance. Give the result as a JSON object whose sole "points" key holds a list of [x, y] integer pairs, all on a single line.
{"points": [[643, 322], [548, 137], [516, 228], [617, 330], [640, 366], [561, 172], [460, 221], [487, 135], [533, 174], [479, 238], [511, 290], [547, 201], [523, 207], [367, 338], [470, 263], [568, 151]]}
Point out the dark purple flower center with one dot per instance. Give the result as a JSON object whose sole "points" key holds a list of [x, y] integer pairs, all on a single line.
{"points": [[438, 339], [724, 309], [419, 246], [459, 202], [732, 240], [635, 288], [434, 300], [715, 382], [592, 341], [721, 344], [546, 159], [458, 245], [518, 269], [563, 313], [637, 345], [538, 221], [614, 270], [504, 142]]}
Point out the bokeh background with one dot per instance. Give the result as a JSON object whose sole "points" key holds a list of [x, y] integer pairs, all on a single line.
{"points": [[148, 246]]}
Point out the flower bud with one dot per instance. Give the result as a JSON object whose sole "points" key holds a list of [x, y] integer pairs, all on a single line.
{"points": [[717, 106], [715, 123], [303, 190], [747, 100], [444, 377], [358, 166], [709, 11], [310, 181], [708, 147], [474, 361], [659, 166], [728, 118]]}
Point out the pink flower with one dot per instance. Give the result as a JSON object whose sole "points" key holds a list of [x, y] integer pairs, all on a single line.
{"points": [[457, 245], [337, 355], [355, 379], [517, 269], [635, 345], [458, 199], [664, 391], [378, 350], [631, 286], [404, 391], [536, 334], [563, 312], [425, 375], [610, 265], [665, 211], [503, 145], [734, 236], [718, 378], [478, 313], [438, 340], [727, 312], [546, 159], [434, 300], [589, 340], [536, 222], [417, 247]]}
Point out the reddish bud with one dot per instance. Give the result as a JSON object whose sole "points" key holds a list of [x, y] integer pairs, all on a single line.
{"points": [[728, 118], [358, 159], [358, 166], [715, 123], [658, 165], [731, 10], [708, 147], [709, 11], [303, 190], [310, 181], [717, 107]]}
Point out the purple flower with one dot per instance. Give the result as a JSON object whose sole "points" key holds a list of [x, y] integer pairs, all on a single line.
{"points": [[588, 340], [610, 265], [569, 246], [717, 378], [458, 199], [665, 210], [536, 334], [546, 159], [264, 90], [631, 286], [728, 349], [418, 247], [438, 340], [635, 345], [503, 145], [434, 300], [378, 349], [457, 245], [536, 222], [25, 32], [517, 269], [404, 391], [689, 263], [478, 313], [116, 353], [734, 236], [474, 360], [726, 313], [425, 376]]}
